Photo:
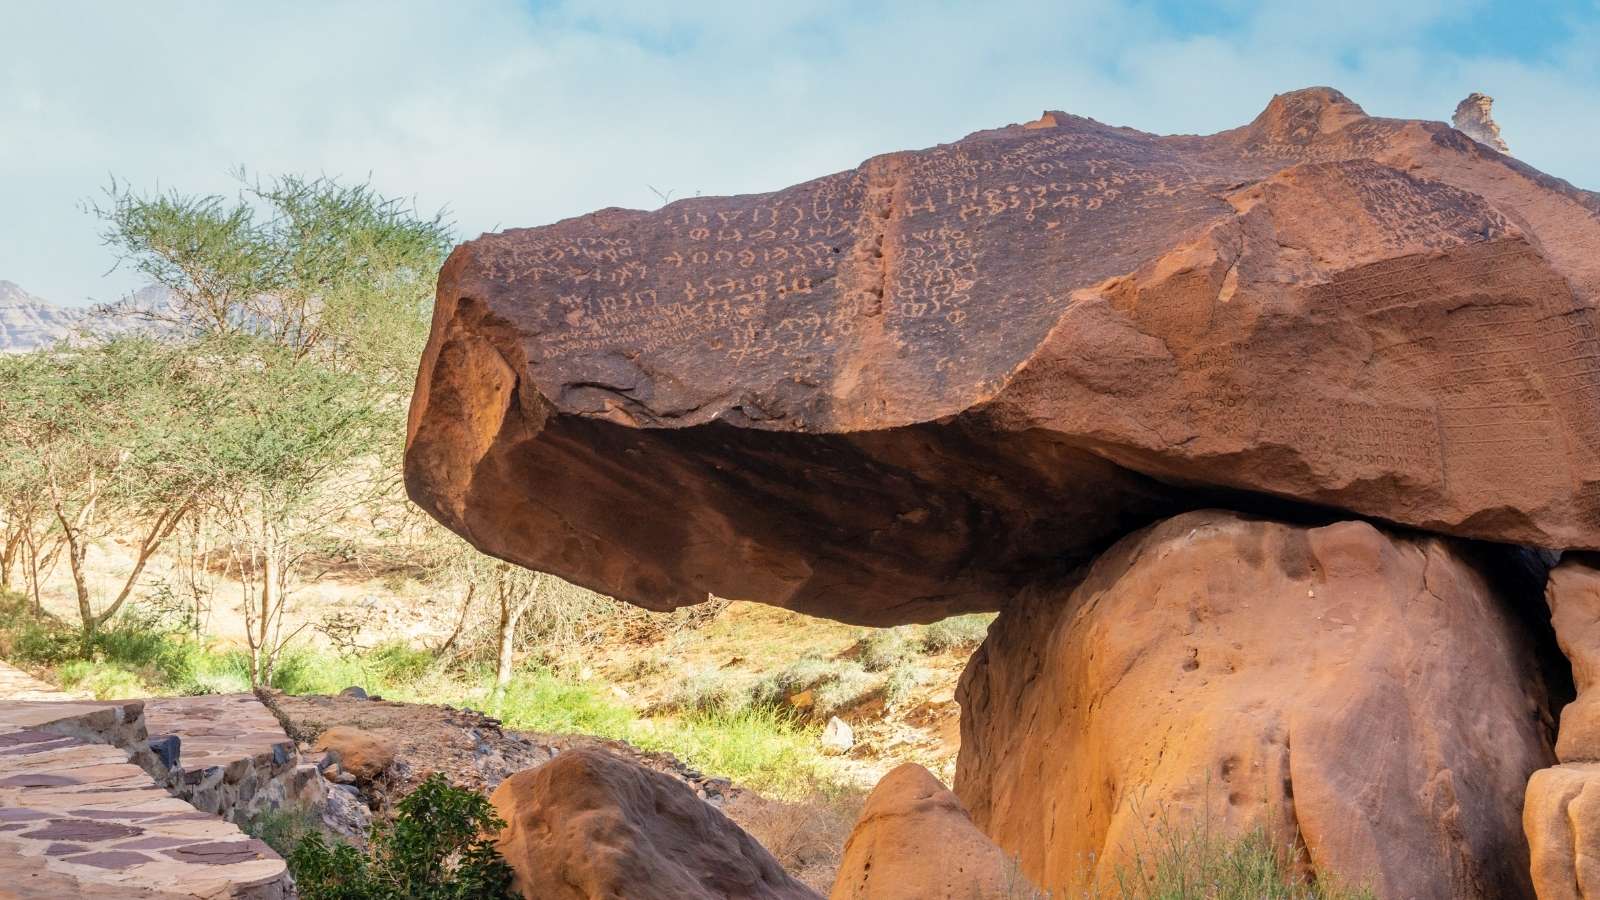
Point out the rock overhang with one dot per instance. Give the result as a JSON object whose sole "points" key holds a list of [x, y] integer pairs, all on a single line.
{"points": [[903, 391]]}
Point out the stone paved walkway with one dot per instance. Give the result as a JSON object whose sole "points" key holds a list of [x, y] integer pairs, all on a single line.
{"points": [[16, 684], [233, 757], [77, 818]]}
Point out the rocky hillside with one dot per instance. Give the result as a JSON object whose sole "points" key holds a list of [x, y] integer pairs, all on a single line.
{"points": [[1262, 443], [29, 323]]}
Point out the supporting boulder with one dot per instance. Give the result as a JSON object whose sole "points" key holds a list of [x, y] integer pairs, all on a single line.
{"points": [[1562, 812], [590, 826], [913, 841], [1369, 700]]}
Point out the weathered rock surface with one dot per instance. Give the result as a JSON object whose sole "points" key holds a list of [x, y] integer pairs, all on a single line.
{"points": [[913, 841], [1573, 594], [1562, 811], [902, 391], [1562, 820], [1474, 117], [359, 752], [1371, 694], [590, 825]]}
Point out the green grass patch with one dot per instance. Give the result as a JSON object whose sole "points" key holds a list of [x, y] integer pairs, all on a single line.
{"points": [[735, 729], [1193, 863]]}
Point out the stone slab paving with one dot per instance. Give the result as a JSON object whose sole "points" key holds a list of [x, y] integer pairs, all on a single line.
{"points": [[77, 818], [232, 757], [16, 684]]}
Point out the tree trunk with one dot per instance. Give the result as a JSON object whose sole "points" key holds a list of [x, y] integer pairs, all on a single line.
{"points": [[77, 550], [8, 554], [33, 573], [508, 633], [269, 596], [159, 532], [461, 622]]}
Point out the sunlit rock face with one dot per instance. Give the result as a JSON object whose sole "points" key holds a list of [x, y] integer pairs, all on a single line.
{"points": [[1373, 701], [910, 389], [1475, 118]]}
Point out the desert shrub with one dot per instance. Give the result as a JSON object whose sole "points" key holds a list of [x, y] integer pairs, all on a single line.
{"points": [[33, 639], [219, 672], [305, 670], [806, 835], [899, 683], [439, 846], [1174, 862], [710, 691], [807, 673], [282, 829], [846, 688], [102, 680], [397, 662], [540, 701], [759, 747], [956, 633], [149, 642], [884, 648]]}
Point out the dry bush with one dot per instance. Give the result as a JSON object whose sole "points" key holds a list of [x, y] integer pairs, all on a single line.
{"points": [[806, 836]]}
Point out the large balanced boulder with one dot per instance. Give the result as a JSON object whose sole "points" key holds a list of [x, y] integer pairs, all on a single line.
{"points": [[913, 841], [903, 391], [590, 826], [1373, 697]]}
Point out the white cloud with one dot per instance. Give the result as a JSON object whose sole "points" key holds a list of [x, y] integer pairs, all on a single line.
{"points": [[512, 115]]}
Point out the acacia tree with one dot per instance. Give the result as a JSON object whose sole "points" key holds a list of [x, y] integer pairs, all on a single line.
{"points": [[96, 438], [29, 541], [309, 300], [282, 450]]}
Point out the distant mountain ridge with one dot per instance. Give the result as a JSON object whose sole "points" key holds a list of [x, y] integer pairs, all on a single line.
{"points": [[28, 322]]}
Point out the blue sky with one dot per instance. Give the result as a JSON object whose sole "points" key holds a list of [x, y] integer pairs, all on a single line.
{"points": [[508, 112]]}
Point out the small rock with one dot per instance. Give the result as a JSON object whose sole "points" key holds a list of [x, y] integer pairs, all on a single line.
{"points": [[837, 736], [914, 840], [345, 813], [593, 825], [361, 753], [166, 749]]}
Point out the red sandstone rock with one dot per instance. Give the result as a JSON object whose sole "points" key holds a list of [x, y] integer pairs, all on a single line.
{"points": [[1369, 694], [590, 826], [904, 391], [913, 841], [1562, 812], [361, 753]]}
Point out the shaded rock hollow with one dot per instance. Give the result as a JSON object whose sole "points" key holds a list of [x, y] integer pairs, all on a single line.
{"points": [[910, 389]]}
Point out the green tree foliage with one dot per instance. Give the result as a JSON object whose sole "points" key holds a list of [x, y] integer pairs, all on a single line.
{"points": [[100, 439], [439, 846], [307, 300], [316, 267]]}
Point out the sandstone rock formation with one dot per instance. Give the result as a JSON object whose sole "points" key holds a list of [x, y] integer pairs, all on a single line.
{"points": [[1562, 811], [1475, 119], [1573, 594], [363, 754], [913, 841], [1562, 819], [910, 389], [588, 825], [1370, 693]]}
